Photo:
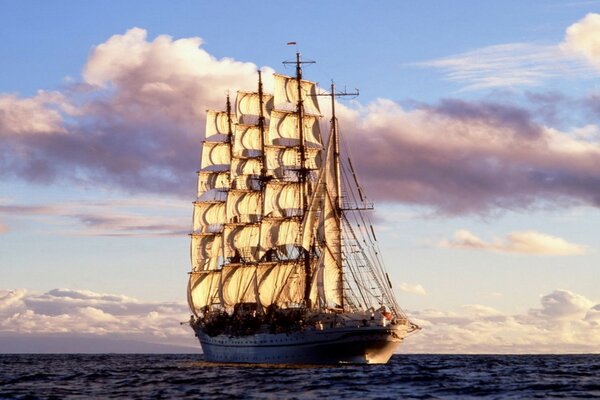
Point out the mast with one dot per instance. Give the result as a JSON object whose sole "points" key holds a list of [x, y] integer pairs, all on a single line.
{"points": [[261, 129], [303, 175], [230, 140], [336, 151], [338, 186]]}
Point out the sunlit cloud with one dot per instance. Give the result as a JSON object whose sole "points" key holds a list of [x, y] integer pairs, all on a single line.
{"points": [[416, 288], [138, 119], [135, 121], [526, 242], [565, 323], [583, 38], [40, 114], [85, 313], [462, 157]]}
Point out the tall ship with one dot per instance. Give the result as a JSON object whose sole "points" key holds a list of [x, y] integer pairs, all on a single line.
{"points": [[285, 263]]}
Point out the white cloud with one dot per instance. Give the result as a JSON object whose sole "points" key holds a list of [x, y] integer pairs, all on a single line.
{"points": [[523, 242], [141, 107], [86, 313], [40, 114], [526, 64], [412, 288], [563, 304], [565, 323], [507, 65], [583, 38]]}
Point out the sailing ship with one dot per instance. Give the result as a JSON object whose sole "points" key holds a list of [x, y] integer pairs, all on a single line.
{"points": [[285, 263]]}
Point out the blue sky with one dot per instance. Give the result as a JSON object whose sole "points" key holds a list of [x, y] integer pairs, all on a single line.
{"points": [[476, 133]]}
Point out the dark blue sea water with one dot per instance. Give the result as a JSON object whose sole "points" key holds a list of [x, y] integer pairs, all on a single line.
{"points": [[406, 376]]}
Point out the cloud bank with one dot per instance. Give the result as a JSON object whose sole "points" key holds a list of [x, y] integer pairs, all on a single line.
{"points": [[135, 121], [527, 242], [85, 314], [563, 322]]}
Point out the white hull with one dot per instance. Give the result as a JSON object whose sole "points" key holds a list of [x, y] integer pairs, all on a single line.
{"points": [[358, 345]]}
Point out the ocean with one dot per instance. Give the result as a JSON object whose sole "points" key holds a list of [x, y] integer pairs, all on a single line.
{"points": [[166, 376]]}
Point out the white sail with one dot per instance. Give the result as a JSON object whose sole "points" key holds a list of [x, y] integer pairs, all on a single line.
{"points": [[321, 226], [282, 199], [207, 215], [215, 154], [206, 251], [245, 166], [283, 130], [203, 290], [219, 123], [281, 284], [245, 173], [248, 106], [286, 94], [243, 206], [242, 241], [329, 280], [247, 140], [208, 180], [281, 159], [238, 285], [277, 233]]}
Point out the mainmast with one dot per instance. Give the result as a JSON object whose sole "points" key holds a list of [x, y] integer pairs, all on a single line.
{"points": [[303, 174], [261, 129], [230, 141]]}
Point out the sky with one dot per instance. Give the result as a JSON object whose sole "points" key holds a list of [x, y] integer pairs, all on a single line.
{"points": [[476, 134]]}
